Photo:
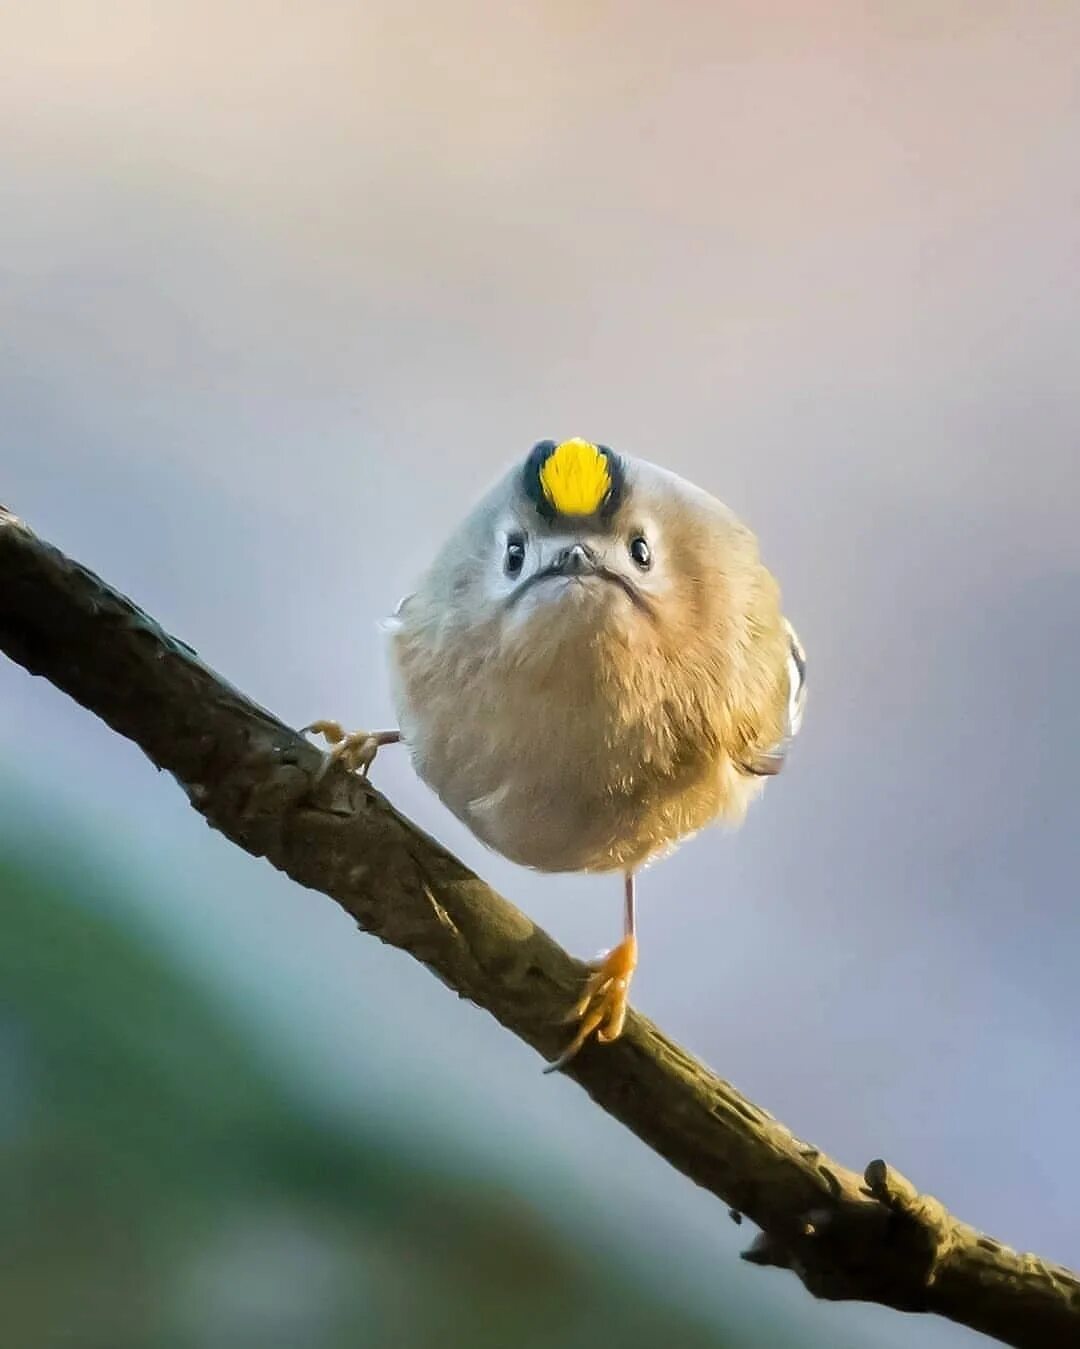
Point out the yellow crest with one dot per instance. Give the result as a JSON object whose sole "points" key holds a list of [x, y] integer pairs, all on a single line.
{"points": [[575, 478]]}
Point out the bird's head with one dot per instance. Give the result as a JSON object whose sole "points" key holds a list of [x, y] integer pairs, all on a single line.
{"points": [[574, 548], [579, 546]]}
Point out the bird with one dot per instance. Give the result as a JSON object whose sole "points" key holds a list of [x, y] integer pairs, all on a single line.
{"points": [[594, 667]]}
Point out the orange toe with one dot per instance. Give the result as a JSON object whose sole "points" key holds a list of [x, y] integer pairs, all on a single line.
{"points": [[601, 1010]]}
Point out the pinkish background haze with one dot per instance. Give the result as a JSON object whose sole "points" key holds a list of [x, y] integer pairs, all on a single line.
{"points": [[283, 287]]}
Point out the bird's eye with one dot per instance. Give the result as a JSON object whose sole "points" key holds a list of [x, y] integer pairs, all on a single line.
{"points": [[641, 552], [514, 559]]}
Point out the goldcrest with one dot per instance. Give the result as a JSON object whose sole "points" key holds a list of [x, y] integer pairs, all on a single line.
{"points": [[594, 667]]}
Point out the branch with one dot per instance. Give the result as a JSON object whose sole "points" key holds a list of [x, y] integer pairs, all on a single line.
{"points": [[847, 1236]]}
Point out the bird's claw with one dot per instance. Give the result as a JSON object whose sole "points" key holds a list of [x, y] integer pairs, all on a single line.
{"points": [[355, 749], [601, 1009]]}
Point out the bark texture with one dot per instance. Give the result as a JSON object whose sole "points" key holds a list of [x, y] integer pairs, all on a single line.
{"points": [[869, 1236]]}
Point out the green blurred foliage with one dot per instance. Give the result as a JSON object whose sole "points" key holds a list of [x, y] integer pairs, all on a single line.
{"points": [[159, 1189]]}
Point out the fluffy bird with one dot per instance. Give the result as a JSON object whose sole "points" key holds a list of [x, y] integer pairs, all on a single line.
{"points": [[595, 666]]}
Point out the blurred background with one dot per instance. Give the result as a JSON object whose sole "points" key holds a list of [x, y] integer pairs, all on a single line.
{"points": [[282, 289]]}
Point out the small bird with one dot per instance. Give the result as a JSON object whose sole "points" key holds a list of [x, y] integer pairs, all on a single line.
{"points": [[594, 667]]}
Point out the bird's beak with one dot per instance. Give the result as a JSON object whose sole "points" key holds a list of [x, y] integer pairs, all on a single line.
{"points": [[576, 560]]}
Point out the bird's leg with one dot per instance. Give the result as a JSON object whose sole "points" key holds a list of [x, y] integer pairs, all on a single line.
{"points": [[602, 1007], [355, 749]]}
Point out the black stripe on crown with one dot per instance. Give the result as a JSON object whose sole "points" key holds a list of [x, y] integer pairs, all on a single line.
{"points": [[538, 456]]}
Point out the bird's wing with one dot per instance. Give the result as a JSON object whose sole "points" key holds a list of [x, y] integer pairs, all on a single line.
{"points": [[770, 762], [393, 623]]}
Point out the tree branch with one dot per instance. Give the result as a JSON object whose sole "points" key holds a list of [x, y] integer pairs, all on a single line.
{"points": [[847, 1236]]}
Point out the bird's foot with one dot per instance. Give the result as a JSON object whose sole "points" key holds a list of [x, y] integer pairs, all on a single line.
{"points": [[355, 749], [601, 1009]]}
